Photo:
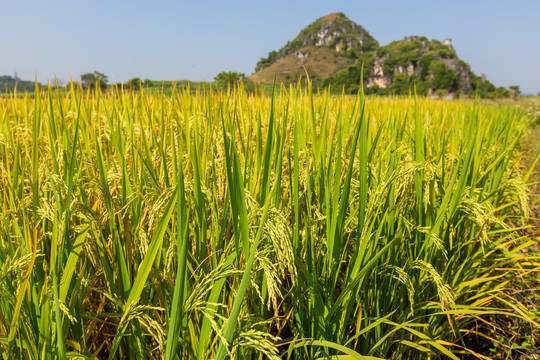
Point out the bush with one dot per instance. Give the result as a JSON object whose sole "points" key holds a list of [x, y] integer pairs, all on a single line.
{"points": [[94, 80], [134, 84]]}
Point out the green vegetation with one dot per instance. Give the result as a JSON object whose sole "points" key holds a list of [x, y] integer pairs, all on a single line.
{"points": [[427, 58], [10, 83], [435, 67], [229, 78], [267, 61], [166, 88], [486, 89], [135, 83], [515, 91], [209, 224], [349, 78], [94, 80], [414, 48]]}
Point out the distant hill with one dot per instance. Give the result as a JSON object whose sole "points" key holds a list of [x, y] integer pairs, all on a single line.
{"points": [[330, 44], [9, 83], [334, 50]]}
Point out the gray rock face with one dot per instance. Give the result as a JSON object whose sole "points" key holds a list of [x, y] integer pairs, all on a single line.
{"points": [[378, 77], [324, 35], [335, 31], [447, 42], [389, 62], [464, 73]]}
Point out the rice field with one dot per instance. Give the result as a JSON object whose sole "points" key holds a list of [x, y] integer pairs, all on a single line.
{"points": [[213, 225]]}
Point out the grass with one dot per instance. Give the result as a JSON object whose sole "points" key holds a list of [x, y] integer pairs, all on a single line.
{"points": [[321, 62], [221, 224]]}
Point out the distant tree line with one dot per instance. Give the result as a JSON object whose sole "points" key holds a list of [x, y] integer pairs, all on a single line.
{"points": [[10, 83], [137, 83], [441, 79]]}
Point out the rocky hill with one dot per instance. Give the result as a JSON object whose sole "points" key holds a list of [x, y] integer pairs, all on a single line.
{"points": [[415, 56], [335, 51], [330, 44]]}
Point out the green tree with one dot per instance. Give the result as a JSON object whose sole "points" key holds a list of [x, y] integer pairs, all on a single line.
{"points": [[229, 78], [93, 80], [134, 84], [443, 77], [9, 83], [265, 62], [515, 90]]}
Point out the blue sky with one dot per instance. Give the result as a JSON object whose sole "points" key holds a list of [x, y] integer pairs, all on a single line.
{"points": [[195, 40]]}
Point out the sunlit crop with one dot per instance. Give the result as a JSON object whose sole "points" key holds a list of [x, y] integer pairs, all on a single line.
{"points": [[211, 224]]}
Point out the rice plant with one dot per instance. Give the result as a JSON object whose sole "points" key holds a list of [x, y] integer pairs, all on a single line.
{"points": [[212, 224]]}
